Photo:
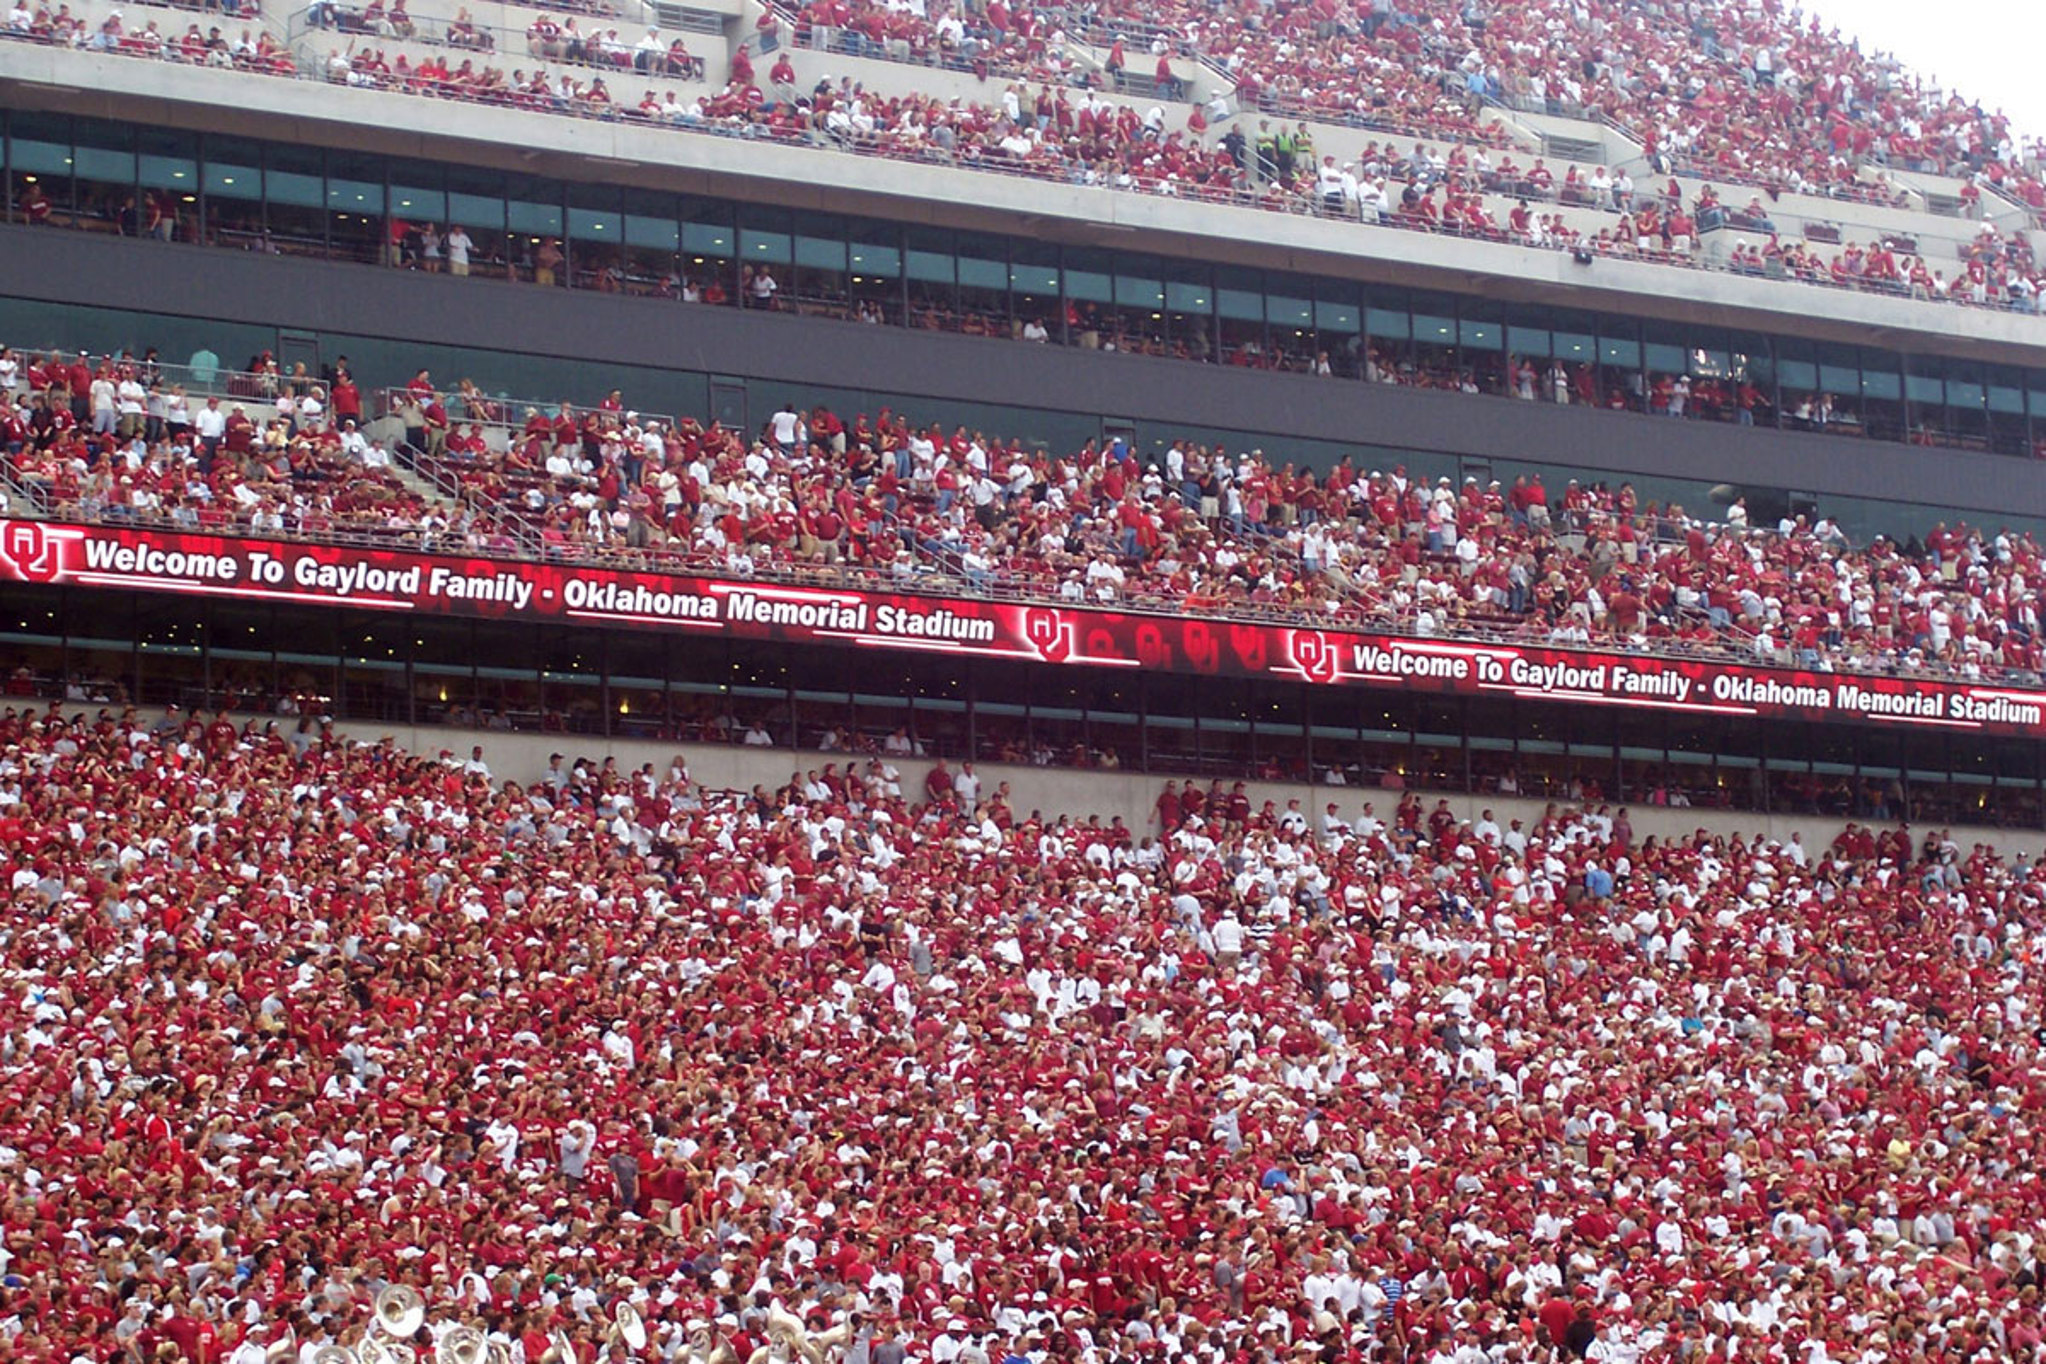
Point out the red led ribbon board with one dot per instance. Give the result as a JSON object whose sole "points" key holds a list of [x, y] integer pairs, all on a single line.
{"points": [[508, 589]]}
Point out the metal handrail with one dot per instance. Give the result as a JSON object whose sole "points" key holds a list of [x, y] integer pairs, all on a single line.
{"points": [[1851, 192], [936, 58], [35, 500], [388, 399], [449, 485], [394, 537], [447, 480], [1098, 34], [89, 33], [229, 385]]}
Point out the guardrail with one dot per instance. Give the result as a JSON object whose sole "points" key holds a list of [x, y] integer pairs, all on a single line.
{"points": [[507, 413], [513, 534], [2010, 203], [200, 381], [395, 537], [30, 499], [448, 483]]}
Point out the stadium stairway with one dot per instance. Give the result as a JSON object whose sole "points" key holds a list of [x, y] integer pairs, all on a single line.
{"points": [[411, 471]]}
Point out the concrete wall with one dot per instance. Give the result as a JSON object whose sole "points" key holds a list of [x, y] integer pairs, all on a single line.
{"points": [[349, 299], [1620, 149], [1940, 239], [2003, 213], [802, 177]]}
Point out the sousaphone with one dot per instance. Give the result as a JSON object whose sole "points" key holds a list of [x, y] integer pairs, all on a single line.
{"points": [[400, 1311], [377, 1350], [630, 1325], [788, 1340], [706, 1346], [462, 1345]]}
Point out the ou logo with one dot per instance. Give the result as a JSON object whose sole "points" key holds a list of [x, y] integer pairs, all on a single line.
{"points": [[1049, 632], [34, 554], [1249, 643], [1203, 647], [1317, 656]]}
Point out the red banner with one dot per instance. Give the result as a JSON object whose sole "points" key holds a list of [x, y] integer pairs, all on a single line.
{"points": [[404, 580]]}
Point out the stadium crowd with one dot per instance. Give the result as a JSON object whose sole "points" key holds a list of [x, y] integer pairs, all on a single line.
{"points": [[1205, 529], [113, 438], [903, 502], [1755, 95], [297, 1018], [1467, 184], [992, 40], [254, 48]]}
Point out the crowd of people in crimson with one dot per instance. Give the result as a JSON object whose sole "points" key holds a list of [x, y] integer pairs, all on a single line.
{"points": [[202, 43], [1755, 94], [994, 39], [1858, 116], [1081, 138], [899, 501], [549, 39], [1208, 529], [112, 438], [941, 1078]]}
